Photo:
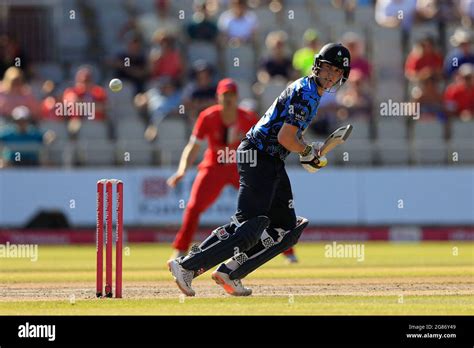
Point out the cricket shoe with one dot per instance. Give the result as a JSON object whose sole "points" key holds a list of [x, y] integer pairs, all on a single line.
{"points": [[233, 287], [182, 277]]}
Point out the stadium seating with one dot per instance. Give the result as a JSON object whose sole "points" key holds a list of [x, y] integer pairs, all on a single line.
{"points": [[202, 50], [429, 144], [461, 146], [270, 93], [132, 129], [97, 152], [392, 146], [49, 71], [112, 17], [93, 130], [172, 137], [134, 152], [120, 105], [462, 130], [72, 38], [267, 22], [296, 17], [59, 128], [359, 149], [61, 152], [240, 62], [245, 89]]}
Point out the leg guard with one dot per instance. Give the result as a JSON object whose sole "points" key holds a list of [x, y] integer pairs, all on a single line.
{"points": [[224, 242], [272, 243]]}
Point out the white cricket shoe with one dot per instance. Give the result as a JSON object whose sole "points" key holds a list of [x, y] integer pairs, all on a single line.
{"points": [[232, 287], [182, 277]]}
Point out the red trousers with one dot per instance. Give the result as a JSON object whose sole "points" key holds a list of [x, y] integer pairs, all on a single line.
{"points": [[206, 188]]}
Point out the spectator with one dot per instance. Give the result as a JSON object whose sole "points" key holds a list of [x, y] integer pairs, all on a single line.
{"points": [[238, 23], [304, 57], [22, 140], [148, 23], [354, 98], [466, 9], [423, 60], [49, 102], [387, 13], [85, 90], [348, 6], [429, 96], [462, 53], [428, 9], [278, 62], [136, 71], [10, 54], [201, 27], [15, 92], [159, 102], [397, 13], [166, 61], [200, 92], [459, 95], [355, 45]]}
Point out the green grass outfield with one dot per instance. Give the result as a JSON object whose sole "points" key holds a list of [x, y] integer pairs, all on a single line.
{"points": [[394, 278]]}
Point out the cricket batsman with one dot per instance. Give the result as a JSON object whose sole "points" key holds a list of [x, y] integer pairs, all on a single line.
{"points": [[222, 125], [265, 223]]}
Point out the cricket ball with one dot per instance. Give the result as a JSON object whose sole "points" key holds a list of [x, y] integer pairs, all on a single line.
{"points": [[115, 85]]}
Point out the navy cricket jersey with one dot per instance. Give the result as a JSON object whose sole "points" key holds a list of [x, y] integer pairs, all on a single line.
{"points": [[296, 105]]}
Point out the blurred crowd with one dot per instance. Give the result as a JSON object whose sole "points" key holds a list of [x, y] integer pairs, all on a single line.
{"points": [[167, 64]]}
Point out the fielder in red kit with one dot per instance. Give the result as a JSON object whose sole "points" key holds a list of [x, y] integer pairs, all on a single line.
{"points": [[222, 125]]}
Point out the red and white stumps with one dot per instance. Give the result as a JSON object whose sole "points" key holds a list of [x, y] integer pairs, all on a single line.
{"points": [[107, 186]]}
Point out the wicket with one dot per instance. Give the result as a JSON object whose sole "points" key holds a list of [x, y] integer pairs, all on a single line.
{"points": [[108, 184]]}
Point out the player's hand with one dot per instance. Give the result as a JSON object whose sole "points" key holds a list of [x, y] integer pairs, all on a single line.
{"points": [[312, 162], [175, 179]]}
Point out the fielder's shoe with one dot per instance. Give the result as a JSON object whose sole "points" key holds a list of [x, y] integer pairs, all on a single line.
{"points": [[291, 258], [182, 277], [232, 287]]}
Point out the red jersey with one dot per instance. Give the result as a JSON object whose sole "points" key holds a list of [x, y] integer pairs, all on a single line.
{"points": [[97, 94], [169, 64], [458, 97], [415, 63], [209, 126]]}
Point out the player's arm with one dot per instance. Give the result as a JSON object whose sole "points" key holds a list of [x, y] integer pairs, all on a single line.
{"points": [[309, 153], [288, 138], [191, 150], [188, 157]]}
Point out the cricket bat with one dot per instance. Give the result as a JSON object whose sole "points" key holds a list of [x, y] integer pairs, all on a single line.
{"points": [[337, 137]]}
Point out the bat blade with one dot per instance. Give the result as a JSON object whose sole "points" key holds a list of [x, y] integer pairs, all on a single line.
{"points": [[337, 137]]}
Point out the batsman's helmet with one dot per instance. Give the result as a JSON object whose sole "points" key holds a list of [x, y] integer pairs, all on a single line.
{"points": [[337, 55]]}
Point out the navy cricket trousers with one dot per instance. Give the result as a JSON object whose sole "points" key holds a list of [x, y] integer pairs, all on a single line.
{"points": [[265, 188]]}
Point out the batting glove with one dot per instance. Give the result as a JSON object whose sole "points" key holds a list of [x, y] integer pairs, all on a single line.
{"points": [[310, 159]]}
